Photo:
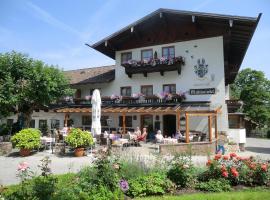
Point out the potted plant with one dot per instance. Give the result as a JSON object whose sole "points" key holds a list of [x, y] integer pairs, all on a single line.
{"points": [[26, 140], [79, 139]]}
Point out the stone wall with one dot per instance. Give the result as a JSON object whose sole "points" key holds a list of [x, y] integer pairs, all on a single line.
{"points": [[194, 148], [5, 148]]}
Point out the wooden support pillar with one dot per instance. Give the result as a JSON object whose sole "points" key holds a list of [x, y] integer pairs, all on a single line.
{"points": [[124, 123], [178, 120], [210, 127], [187, 128], [66, 119], [216, 132]]}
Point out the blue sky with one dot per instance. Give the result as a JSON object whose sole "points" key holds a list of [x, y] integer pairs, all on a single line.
{"points": [[56, 31]]}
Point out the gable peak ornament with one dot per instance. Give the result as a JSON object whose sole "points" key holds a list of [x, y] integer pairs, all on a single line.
{"points": [[201, 69]]}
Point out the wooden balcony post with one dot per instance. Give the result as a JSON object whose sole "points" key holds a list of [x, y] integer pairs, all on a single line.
{"points": [[178, 120], [216, 131], [187, 128], [66, 119], [124, 123], [210, 127]]}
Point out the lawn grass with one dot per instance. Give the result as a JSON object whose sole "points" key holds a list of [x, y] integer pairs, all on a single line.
{"points": [[243, 195]]}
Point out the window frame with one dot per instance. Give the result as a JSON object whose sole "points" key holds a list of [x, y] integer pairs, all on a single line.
{"points": [[129, 119], [83, 121], [168, 47], [125, 53], [144, 50], [125, 87], [145, 86], [164, 85]]}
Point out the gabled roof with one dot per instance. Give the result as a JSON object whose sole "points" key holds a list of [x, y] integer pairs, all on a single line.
{"points": [[167, 26], [91, 75]]}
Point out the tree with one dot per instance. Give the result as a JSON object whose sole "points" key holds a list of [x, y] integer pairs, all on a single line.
{"points": [[253, 88], [26, 84]]}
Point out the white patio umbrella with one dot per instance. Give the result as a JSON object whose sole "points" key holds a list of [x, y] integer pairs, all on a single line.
{"points": [[96, 112]]}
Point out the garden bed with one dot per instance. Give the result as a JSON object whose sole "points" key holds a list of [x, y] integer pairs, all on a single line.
{"points": [[111, 177]]}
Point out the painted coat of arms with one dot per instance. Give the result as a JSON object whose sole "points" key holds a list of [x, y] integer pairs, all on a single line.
{"points": [[201, 69]]}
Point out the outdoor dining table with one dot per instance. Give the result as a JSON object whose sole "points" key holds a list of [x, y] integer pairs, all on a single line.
{"points": [[48, 140]]}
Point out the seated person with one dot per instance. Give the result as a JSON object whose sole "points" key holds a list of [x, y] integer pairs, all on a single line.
{"points": [[138, 132], [143, 136], [159, 137], [178, 135]]}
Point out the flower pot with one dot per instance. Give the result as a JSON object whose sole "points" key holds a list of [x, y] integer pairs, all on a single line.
{"points": [[79, 152], [25, 152]]}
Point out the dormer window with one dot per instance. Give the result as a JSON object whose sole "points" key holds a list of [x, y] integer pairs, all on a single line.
{"points": [[147, 54], [168, 52], [125, 57]]}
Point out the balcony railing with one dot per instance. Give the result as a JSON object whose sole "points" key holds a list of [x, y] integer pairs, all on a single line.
{"points": [[148, 100], [154, 65]]}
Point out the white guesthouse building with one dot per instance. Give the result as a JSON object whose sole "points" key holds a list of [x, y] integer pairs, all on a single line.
{"points": [[159, 58]]}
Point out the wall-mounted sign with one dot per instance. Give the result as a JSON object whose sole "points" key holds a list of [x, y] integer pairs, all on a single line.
{"points": [[202, 91]]}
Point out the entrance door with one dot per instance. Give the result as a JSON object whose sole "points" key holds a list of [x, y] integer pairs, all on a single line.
{"points": [[147, 122], [169, 125]]}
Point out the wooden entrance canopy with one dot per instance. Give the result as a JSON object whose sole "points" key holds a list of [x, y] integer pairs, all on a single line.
{"points": [[189, 111], [166, 109]]}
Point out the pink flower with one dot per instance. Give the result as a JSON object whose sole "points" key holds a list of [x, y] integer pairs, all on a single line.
{"points": [[23, 166]]}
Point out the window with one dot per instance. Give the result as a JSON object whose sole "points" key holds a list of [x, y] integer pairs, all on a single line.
{"points": [[147, 54], [78, 94], [32, 123], [86, 120], [103, 120], [125, 91], [170, 88], [128, 121], [147, 90], [126, 57], [168, 52], [55, 123]]}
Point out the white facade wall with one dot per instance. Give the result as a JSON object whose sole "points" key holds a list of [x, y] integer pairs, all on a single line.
{"points": [[211, 49]]}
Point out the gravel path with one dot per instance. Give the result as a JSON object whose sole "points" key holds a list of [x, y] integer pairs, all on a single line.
{"points": [[60, 165]]}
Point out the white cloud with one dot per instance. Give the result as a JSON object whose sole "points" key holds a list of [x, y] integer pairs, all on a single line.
{"points": [[46, 17]]}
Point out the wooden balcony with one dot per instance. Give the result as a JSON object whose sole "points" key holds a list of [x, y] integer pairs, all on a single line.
{"points": [[155, 65], [124, 101]]}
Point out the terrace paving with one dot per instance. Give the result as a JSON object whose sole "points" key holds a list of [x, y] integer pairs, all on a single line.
{"points": [[147, 153]]}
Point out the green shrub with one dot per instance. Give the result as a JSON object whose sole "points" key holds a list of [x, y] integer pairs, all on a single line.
{"points": [[44, 187], [79, 139], [27, 139], [4, 129], [214, 185], [181, 171], [152, 184]]}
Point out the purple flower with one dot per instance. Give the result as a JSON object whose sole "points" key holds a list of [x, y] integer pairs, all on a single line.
{"points": [[123, 184]]}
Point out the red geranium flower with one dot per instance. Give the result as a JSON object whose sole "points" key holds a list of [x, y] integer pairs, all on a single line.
{"points": [[223, 168], [233, 155], [225, 174], [225, 157], [252, 166], [208, 163], [264, 167], [235, 173], [217, 156]]}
